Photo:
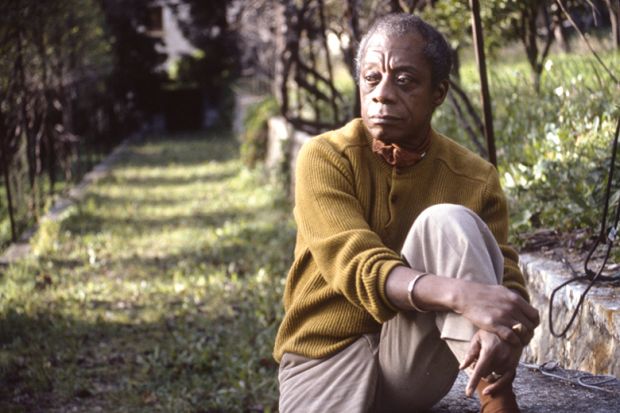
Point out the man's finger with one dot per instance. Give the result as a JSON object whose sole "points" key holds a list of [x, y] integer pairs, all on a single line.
{"points": [[472, 355], [526, 323], [531, 313], [508, 335], [506, 379], [525, 334], [482, 366]]}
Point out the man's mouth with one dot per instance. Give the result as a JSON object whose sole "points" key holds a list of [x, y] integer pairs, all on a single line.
{"points": [[379, 119]]}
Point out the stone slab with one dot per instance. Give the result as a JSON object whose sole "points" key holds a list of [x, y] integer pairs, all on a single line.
{"points": [[279, 134], [593, 341]]}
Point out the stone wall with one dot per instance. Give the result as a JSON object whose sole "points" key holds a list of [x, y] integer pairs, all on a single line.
{"points": [[283, 145], [592, 343]]}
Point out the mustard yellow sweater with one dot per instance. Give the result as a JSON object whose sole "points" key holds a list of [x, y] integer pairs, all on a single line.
{"points": [[353, 212]]}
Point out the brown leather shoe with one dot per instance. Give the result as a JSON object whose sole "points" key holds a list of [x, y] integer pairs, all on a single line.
{"points": [[503, 401]]}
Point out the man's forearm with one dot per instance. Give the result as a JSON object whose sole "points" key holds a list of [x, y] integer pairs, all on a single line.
{"points": [[493, 308], [431, 293]]}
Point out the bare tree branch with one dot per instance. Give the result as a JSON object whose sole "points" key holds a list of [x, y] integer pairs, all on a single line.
{"points": [[468, 106], [466, 125], [587, 42], [328, 61]]}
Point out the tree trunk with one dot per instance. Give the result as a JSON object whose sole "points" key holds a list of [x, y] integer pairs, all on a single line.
{"points": [[328, 61], [395, 6], [528, 37], [484, 85], [535, 57], [614, 17], [456, 64], [4, 149], [559, 33], [352, 12], [278, 63], [26, 116]]}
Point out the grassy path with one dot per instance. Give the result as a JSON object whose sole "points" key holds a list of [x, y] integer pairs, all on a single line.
{"points": [[159, 292]]}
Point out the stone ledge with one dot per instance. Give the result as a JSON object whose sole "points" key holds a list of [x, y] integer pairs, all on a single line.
{"points": [[593, 342]]}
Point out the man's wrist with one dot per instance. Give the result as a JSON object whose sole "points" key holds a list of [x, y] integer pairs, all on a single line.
{"points": [[454, 296], [409, 290]]}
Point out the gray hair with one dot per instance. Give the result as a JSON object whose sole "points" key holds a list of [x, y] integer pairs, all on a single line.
{"points": [[437, 51]]}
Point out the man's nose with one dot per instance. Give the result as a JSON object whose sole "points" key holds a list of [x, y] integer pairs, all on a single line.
{"points": [[384, 92]]}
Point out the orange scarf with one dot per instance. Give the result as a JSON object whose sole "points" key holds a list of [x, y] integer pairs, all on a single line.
{"points": [[400, 156]]}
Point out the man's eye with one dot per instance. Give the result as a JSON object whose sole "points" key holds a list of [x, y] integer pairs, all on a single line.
{"points": [[403, 79], [371, 78]]}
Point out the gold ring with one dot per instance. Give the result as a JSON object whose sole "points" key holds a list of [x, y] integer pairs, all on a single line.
{"points": [[524, 334], [494, 376], [519, 328]]}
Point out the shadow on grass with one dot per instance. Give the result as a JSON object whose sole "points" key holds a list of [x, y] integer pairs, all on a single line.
{"points": [[90, 223], [234, 254], [49, 362], [140, 200], [181, 320], [151, 181], [207, 147]]}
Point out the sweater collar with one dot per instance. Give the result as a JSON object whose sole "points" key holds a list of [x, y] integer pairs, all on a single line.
{"points": [[397, 156]]}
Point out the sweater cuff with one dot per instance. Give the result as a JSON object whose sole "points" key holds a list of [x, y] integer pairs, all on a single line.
{"points": [[386, 271]]}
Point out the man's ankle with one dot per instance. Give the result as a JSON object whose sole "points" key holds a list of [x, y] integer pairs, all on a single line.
{"points": [[502, 401]]}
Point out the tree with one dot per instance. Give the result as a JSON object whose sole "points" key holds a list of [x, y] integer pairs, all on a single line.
{"points": [[613, 6], [136, 77], [215, 65], [52, 52]]}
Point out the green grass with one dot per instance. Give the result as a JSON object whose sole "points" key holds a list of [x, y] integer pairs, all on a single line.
{"points": [[160, 292], [89, 154]]}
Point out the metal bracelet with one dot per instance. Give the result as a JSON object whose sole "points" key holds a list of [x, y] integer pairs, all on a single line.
{"points": [[410, 288]]}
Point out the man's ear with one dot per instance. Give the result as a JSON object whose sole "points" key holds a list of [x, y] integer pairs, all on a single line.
{"points": [[441, 91]]}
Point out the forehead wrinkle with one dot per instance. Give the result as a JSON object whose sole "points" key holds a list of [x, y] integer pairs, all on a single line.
{"points": [[390, 61], [379, 55]]}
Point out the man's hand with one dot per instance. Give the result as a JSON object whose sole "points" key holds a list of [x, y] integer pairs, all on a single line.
{"points": [[498, 310], [493, 308], [489, 354]]}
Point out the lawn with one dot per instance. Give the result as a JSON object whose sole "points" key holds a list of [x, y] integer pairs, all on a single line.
{"points": [[160, 291]]}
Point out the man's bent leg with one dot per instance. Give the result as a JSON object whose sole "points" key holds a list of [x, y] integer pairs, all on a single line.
{"points": [[344, 382], [417, 368], [417, 350]]}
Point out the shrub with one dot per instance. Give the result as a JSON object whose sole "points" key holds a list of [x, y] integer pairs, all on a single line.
{"points": [[254, 138], [553, 147]]}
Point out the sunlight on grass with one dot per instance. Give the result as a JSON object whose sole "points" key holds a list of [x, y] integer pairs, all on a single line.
{"points": [[159, 292]]}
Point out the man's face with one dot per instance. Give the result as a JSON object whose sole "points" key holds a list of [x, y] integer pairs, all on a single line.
{"points": [[397, 95]]}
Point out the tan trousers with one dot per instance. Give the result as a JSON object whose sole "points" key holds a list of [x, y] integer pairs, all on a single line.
{"points": [[414, 361]]}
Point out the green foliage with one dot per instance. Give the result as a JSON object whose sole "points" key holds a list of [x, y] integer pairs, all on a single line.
{"points": [[254, 138], [453, 19], [56, 57], [46, 237], [553, 146], [161, 292]]}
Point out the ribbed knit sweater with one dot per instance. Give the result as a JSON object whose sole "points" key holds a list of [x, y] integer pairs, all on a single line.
{"points": [[353, 212]]}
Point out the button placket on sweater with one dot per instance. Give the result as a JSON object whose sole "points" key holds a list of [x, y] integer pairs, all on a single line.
{"points": [[398, 184]]}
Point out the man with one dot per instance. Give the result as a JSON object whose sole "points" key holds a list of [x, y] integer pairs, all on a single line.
{"points": [[402, 273]]}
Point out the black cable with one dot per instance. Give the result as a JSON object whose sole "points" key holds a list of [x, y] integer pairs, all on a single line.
{"points": [[607, 238]]}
